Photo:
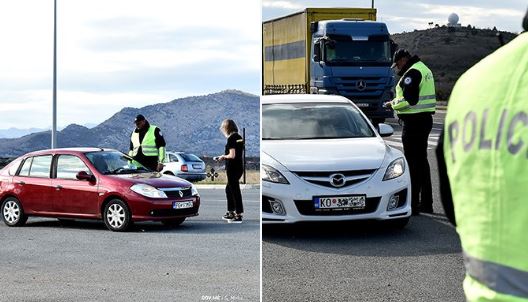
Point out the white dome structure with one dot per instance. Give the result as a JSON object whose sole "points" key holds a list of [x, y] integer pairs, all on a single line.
{"points": [[453, 19]]}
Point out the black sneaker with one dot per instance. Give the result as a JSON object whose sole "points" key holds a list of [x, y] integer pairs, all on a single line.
{"points": [[236, 219], [228, 216]]}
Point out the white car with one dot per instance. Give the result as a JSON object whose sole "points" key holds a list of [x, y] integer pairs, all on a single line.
{"points": [[322, 160], [184, 165]]}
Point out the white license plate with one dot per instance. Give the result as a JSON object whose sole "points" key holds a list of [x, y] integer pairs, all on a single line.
{"points": [[197, 166], [340, 202], [182, 204]]}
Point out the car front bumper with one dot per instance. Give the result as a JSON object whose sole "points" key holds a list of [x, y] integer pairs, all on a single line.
{"points": [[297, 200], [146, 209]]}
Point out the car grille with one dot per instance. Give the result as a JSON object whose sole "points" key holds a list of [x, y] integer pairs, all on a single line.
{"points": [[306, 207], [175, 192], [323, 178]]}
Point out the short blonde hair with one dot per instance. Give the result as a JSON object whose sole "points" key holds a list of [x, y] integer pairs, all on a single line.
{"points": [[228, 126]]}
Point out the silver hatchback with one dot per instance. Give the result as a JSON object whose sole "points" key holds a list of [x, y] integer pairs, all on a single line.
{"points": [[184, 165]]}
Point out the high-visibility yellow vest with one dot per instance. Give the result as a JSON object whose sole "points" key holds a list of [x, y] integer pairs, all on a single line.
{"points": [[148, 145], [427, 97], [486, 152]]}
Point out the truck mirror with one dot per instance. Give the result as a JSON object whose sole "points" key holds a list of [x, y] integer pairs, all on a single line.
{"points": [[317, 52], [314, 26]]}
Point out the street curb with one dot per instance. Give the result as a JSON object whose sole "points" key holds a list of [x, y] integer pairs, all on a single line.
{"points": [[242, 186]]}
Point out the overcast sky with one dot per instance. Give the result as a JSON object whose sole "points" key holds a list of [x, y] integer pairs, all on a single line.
{"points": [[122, 53], [409, 15]]}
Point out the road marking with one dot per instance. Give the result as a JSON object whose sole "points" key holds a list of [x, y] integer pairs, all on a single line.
{"points": [[395, 141]]}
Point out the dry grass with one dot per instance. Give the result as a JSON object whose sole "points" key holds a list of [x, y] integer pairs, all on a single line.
{"points": [[252, 177]]}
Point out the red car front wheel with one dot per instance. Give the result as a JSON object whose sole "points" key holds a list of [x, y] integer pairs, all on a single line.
{"points": [[117, 216]]}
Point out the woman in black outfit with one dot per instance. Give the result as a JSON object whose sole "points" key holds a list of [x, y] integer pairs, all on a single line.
{"points": [[234, 169]]}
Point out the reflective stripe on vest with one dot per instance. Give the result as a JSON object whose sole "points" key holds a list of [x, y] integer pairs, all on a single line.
{"points": [[148, 145], [427, 96], [500, 278], [486, 154]]}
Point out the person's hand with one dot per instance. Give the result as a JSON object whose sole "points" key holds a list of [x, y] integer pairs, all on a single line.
{"points": [[160, 167], [387, 105]]}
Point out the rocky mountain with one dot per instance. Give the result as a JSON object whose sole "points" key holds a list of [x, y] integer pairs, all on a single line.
{"points": [[449, 52], [188, 124]]}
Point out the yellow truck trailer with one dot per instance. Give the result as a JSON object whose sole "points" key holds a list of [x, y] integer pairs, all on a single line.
{"points": [[296, 56]]}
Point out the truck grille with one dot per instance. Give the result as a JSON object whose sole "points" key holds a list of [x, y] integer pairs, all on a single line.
{"points": [[361, 87], [306, 207], [324, 178]]}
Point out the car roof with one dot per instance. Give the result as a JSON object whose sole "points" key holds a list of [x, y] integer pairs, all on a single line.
{"points": [[303, 98], [78, 150]]}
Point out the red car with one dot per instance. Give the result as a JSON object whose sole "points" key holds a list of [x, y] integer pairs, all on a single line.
{"points": [[92, 183]]}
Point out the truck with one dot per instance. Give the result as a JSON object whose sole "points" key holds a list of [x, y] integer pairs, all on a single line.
{"points": [[341, 51]]}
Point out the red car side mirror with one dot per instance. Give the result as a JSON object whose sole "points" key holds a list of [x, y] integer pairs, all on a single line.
{"points": [[83, 175]]}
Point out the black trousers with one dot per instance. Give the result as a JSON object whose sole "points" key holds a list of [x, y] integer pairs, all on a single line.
{"points": [[233, 194], [416, 130]]}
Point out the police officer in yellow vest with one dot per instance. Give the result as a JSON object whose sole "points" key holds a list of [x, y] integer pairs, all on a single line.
{"points": [[486, 155], [415, 103], [147, 145]]}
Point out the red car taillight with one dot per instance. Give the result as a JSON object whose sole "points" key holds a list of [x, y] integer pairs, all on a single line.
{"points": [[184, 168]]}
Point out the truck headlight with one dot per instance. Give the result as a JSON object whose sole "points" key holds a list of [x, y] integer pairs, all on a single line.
{"points": [[148, 191], [327, 91], [395, 169], [272, 175]]}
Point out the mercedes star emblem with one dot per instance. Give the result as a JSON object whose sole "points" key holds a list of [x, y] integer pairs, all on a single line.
{"points": [[361, 85]]}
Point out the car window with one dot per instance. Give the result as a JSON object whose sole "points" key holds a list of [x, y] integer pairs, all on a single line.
{"points": [[25, 168], [313, 121], [69, 165], [173, 158], [189, 157], [40, 167], [14, 167], [114, 162]]}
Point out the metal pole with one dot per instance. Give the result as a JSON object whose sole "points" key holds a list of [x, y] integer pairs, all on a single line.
{"points": [[54, 124], [244, 148], [372, 3]]}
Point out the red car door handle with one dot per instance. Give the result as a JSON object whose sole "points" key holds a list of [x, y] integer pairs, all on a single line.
{"points": [[58, 187], [21, 183]]}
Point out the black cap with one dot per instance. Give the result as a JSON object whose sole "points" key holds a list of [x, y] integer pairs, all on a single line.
{"points": [[400, 53], [139, 118]]}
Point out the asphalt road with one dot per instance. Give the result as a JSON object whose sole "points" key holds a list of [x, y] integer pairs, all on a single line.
{"points": [[367, 261], [205, 259]]}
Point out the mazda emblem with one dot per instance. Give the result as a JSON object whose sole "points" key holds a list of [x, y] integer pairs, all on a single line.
{"points": [[337, 180], [361, 85]]}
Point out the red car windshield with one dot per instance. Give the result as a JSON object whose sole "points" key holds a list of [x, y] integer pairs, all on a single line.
{"points": [[113, 162]]}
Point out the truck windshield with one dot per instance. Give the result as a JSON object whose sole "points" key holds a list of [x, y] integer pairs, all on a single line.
{"points": [[342, 50], [313, 121]]}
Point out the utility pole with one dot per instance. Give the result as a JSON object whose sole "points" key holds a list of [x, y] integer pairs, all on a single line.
{"points": [[372, 3], [54, 124]]}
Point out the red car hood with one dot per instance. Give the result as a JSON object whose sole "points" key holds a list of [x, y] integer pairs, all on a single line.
{"points": [[156, 180]]}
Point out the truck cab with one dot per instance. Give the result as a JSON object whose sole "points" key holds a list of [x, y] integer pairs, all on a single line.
{"points": [[352, 58]]}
